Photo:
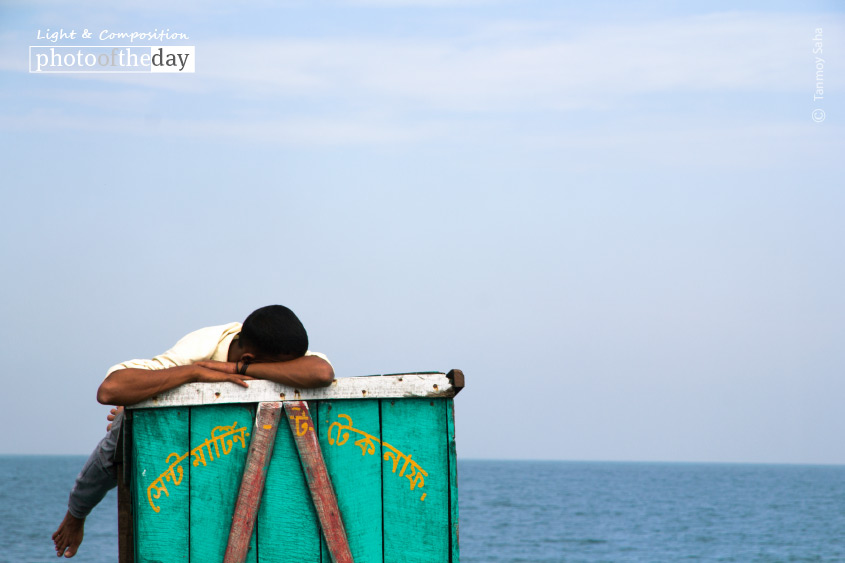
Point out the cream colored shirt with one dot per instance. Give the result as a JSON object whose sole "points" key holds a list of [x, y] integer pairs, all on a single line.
{"points": [[210, 343]]}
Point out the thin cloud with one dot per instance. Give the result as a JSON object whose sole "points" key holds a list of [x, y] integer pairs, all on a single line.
{"points": [[295, 130], [475, 86], [424, 3], [504, 67], [511, 72]]}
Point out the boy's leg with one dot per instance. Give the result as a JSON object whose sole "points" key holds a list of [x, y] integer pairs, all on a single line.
{"points": [[98, 477]]}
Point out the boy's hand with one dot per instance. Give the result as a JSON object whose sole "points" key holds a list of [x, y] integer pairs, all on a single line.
{"points": [[112, 414], [219, 373], [223, 367]]}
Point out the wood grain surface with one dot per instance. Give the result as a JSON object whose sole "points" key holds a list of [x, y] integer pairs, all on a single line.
{"points": [[355, 470], [416, 516], [163, 534], [214, 486]]}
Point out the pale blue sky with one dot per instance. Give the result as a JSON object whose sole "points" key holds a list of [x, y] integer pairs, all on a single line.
{"points": [[619, 219]]}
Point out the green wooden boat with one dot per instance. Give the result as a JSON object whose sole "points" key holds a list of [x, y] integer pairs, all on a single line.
{"points": [[363, 470]]}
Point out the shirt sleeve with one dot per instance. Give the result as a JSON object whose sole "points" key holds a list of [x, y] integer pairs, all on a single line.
{"points": [[319, 355], [198, 345]]}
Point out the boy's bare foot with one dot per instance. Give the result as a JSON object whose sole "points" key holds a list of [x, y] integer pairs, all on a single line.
{"points": [[69, 535]]}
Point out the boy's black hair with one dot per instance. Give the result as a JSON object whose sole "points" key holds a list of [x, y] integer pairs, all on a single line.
{"points": [[273, 331]]}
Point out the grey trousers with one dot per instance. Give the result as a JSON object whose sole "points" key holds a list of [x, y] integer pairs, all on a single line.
{"points": [[98, 475]]}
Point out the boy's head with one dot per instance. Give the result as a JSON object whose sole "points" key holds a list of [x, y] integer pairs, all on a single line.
{"points": [[273, 333]]}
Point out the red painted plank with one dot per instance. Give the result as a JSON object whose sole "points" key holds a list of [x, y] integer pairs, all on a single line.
{"points": [[317, 476], [252, 483]]}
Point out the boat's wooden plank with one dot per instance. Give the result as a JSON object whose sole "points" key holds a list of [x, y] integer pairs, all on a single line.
{"points": [[454, 551], [125, 531], [258, 456], [160, 438], [219, 440], [354, 460], [370, 387], [319, 484], [123, 467], [415, 477], [287, 527]]}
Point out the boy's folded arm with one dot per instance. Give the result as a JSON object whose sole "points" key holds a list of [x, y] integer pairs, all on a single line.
{"points": [[304, 372], [133, 385]]}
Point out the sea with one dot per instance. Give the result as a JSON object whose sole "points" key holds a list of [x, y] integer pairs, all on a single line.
{"points": [[536, 511]]}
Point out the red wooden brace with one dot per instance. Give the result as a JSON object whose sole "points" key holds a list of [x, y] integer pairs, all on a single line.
{"points": [[318, 480], [252, 484]]}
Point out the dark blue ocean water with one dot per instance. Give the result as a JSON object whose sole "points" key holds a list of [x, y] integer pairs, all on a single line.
{"points": [[582, 511], [537, 511]]}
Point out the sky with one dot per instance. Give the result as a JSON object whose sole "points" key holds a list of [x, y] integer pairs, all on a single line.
{"points": [[622, 220]]}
